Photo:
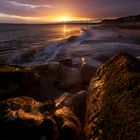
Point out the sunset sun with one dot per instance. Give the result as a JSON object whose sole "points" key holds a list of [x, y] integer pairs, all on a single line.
{"points": [[64, 19]]}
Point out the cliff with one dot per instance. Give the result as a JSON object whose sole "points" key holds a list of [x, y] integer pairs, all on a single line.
{"points": [[113, 104], [126, 21], [26, 119]]}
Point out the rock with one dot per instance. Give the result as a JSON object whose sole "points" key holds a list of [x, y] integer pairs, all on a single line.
{"points": [[21, 118], [70, 127], [40, 82], [18, 81], [57, 78], [113, 104], [78, 105], [75, 102], [64, 101], [24, 118], [88, 69], [66, 62], [72, 39]]}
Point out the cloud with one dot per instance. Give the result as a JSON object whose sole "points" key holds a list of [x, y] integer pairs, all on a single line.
{"points": [[23, 9], [76, 8], [29, 5]]}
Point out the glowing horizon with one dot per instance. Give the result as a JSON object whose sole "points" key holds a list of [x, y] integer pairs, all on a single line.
{"points": [[43, 11], [55, 19]]}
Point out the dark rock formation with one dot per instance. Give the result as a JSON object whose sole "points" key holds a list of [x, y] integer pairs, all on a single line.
{"points": [[69, 125], [18, 81], [25, 119], [75, 102], [66, 62], [57, 78], [87, 71], [41, 82], [113, 104], [126, 21]]}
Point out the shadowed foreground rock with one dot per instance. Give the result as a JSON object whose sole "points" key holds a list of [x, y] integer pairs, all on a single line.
{"points": [[76, 103], [23, 118], [113, 104], [18, 81], [57, 78], [40, 82]]}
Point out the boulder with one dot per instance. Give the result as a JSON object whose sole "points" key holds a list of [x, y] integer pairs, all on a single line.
{"points": [[88, 69], [66, 62], [70, 127], [18, 81], [24, 118], [57, 78], [64, 101], [75, 102], [40, 82], [113, 104]]}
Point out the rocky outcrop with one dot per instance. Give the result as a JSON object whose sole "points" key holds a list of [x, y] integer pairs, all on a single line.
{"points": [[45, 81], [130, 20], [88, 69], [75, 102], [18, 81], [57, 78], [40, 82], [24, 118], [69, 124], [113, 104]]}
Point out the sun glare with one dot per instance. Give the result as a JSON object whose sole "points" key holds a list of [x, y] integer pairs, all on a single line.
{"points": [[64, 19]]}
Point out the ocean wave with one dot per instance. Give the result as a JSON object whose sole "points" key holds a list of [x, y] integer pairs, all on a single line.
{"points": [[44, 54], [102, 44]]}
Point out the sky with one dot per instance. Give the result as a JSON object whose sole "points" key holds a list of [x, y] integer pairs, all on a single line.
{"points": [[42, 11]]}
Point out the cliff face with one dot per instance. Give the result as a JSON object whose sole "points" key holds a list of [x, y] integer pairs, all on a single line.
{"points": [[113, 104], [132, 20]]}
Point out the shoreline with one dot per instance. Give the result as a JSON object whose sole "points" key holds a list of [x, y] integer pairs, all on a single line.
{"points": [[95, 43]]}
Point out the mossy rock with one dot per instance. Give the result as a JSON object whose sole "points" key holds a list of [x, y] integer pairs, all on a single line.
{"points": [[113, 104]]}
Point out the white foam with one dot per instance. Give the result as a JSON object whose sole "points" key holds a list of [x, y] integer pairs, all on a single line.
{"points": [[101, 45]]}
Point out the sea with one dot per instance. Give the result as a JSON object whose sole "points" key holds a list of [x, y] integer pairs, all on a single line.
{"points": [[30, 45], [33, 44]]}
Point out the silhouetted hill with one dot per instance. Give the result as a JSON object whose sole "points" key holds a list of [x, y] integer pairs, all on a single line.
{"points": [[132, 20]]}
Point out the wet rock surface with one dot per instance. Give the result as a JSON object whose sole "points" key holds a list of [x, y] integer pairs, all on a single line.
{"points": [[40, 82], [108, 110], [113, 104], [24, 118], [76, 103]]}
